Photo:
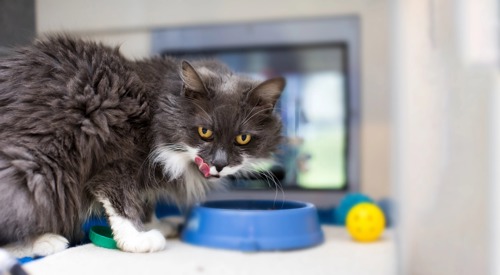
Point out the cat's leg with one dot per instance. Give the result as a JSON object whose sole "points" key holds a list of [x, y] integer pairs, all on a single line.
{"points": [[169, 226], [44, 245], [33, 212], [129, 234], [121, 194]]}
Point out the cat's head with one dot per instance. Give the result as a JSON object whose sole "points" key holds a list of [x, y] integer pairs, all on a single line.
{"points": [[217, 124]]}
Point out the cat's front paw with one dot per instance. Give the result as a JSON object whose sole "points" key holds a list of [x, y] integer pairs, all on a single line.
{"points": [[43, 245], [128, 235], [141, 242]]}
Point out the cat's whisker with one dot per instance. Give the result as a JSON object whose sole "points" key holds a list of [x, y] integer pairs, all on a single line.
{"points": [[199, 107], [276, 185], [256, 113], [269, 177], [249, 113]]}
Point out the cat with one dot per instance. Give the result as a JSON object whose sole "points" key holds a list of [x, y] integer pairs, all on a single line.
{"points": [[84, 128]]}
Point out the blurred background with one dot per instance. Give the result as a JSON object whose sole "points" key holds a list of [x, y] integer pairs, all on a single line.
{"points": [[395, 99]]}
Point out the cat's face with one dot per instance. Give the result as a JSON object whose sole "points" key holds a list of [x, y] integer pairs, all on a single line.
{"points": [[224, 125]]}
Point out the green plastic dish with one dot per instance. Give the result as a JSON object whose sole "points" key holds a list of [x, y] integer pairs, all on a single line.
{"points": [[102, 236]]}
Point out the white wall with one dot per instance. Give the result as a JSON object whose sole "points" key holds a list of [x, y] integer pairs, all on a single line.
{"points": [[128, 22], [444, 84]]}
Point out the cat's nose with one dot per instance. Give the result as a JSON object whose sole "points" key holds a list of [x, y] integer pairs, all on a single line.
{"points": [[220, 160], [219, 166]]}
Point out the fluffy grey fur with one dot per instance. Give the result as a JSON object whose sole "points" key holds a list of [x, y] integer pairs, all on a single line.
{"points": [[80, 123]]}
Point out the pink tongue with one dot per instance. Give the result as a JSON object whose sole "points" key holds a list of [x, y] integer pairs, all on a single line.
{"points": [[198, 161], [204, 168]]}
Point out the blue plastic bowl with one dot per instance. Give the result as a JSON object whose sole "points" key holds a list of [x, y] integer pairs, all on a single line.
{"points": [[253, 225]]}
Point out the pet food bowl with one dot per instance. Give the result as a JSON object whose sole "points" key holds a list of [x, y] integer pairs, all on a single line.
{"points": [[253, 225]]}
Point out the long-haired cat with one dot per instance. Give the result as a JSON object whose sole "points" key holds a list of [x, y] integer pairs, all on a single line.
{"points": [[82, 126]]}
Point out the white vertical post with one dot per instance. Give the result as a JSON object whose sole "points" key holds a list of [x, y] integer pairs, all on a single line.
{"points": [[495, 182], [444, 165]]}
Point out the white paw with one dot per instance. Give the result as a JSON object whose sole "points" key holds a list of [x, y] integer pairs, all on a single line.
{"points": [[149, 241], [48, 244], [19, 250], [44, 245], [128, 237]]}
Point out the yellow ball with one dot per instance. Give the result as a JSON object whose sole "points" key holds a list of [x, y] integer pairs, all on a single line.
{"points": [[365, 222]]}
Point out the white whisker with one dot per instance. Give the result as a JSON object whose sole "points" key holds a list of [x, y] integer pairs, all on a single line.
{"points": [[250, 113], [251, 164], [201, 108], [263, 110]]}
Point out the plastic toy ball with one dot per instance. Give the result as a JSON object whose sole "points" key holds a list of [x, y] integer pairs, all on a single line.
{"points": [[365, 222], [345, 205]]}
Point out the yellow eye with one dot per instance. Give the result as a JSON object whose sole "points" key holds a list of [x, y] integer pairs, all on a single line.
{"points": [[243, 139], [205, 133]]}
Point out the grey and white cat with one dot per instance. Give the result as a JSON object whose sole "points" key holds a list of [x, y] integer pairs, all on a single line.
{"points": [[81, 126]]}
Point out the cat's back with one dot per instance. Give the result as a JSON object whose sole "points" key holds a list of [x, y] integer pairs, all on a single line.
{"points": [[58, 63], [63, 94]]}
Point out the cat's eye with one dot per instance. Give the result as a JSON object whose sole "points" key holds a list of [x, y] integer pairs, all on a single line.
{"points": [[205, 133], [243, 139]]}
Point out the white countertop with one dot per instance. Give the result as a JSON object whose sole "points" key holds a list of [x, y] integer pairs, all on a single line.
{"points": [[337, 255]]}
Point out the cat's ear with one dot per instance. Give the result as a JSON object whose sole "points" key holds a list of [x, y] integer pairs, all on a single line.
{"points": [[268, 92], [193, 84]]}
